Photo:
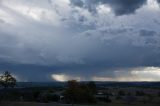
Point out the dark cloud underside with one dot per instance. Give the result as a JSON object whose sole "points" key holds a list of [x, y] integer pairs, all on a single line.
{"points": [[79, 38], [120, 7]]}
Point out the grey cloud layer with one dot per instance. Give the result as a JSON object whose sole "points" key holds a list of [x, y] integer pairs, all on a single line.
{"points": [[120, 7], [56, 37]]}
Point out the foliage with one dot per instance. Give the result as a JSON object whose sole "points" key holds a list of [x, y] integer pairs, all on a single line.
{"points": [[121, 93], [78, 93], [140, 93], [92, 87], [158, 94], [7, 80]]}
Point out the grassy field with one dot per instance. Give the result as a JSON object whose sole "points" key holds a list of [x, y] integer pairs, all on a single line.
{"points": [[55, 104]]}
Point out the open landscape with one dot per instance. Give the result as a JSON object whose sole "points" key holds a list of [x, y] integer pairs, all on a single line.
{"points": [[75, 93], [79, 52]]}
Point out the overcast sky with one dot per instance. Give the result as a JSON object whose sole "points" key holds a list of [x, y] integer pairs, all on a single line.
{"points": [[101, 40]]}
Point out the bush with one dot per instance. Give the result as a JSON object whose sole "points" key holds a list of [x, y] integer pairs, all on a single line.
{"points": [[140, 93], [53, 98], [121, 93], [78, 93]]}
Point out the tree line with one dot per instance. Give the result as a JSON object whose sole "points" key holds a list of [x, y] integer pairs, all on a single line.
{"points": [[75, 92]]}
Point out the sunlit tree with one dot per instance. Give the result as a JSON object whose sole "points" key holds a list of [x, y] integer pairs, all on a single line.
{"points": [[7, 80]]}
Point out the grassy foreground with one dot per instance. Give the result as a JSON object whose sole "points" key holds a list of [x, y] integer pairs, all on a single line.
{"points": [[55, 104]]}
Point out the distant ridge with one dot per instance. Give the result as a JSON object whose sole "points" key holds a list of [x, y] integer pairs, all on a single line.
{"points": [[98, 83]]}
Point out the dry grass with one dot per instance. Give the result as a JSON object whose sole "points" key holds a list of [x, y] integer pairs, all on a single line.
{"points": [[55, 104]]}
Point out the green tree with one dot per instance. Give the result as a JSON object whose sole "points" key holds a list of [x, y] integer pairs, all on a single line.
{"points": [[7, 80], [92, 87], [78, 93], [71, 91]]}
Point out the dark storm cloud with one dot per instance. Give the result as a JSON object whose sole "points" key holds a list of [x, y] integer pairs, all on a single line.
{"points": [[26, 72], [78, 3], [120, 7], [36, 39], [156, 22], [147, 33]]}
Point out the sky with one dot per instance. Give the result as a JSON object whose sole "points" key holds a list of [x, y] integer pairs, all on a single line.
{"points": [[99, 40]]}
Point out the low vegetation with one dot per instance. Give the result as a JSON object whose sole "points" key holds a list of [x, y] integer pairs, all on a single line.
{"points": [[74, 92]]}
